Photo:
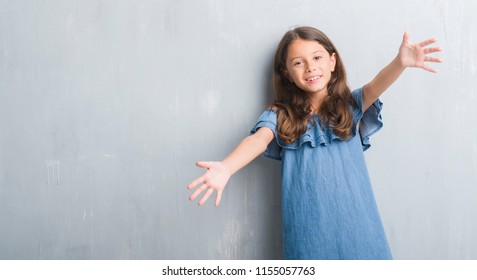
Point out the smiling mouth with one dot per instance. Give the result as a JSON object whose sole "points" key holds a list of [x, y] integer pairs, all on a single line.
{"points": [[312, 79]]}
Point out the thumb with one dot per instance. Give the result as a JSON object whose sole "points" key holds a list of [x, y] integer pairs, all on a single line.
{"points": [[203, 164], [405, 37]]}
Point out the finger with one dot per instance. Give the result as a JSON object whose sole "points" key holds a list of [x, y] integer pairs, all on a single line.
{"points": [[197, 192], [432, 50], [427, 42], [206, 196], [405, 37], [427, 68], [217, 198], [203, 164], [432, 59], [197, 181]]}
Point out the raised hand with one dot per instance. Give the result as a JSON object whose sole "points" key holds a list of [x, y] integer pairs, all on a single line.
{"points": [[214, 179], [415, 55]]}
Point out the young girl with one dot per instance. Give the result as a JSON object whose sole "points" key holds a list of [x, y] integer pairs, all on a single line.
{"points": [[328, 206]]}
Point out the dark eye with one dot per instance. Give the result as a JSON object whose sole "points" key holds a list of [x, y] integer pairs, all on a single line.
{"points": [[317, 57], [296, 63]]}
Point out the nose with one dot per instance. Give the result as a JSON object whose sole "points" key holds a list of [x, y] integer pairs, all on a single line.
{"points": [[311, 68]]}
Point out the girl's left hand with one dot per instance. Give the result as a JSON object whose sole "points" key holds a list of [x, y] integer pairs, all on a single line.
{"points": [[415, 55]]}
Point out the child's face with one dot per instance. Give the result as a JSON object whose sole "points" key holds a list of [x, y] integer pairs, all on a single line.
{"points": [[309, 66]]}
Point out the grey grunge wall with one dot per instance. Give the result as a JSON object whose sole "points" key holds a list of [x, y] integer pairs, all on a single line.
{"points": [[105, 106]]}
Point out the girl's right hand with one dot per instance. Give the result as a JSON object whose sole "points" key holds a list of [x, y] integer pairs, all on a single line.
{"points": [[214, 179]]}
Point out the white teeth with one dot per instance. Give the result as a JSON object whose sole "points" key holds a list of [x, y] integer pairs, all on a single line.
{"points": [[313, 78]]}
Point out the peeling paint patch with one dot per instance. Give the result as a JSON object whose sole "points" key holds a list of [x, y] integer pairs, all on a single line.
{"points": [[53, 172]]}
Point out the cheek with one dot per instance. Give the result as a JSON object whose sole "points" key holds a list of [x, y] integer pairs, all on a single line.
{"points": [[292, 75], [328, 68]]}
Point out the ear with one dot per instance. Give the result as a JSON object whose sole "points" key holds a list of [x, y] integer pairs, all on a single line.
{"points": [[333, 62]]}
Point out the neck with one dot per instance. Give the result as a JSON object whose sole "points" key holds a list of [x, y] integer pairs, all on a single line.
{"points": [[316, 99]]}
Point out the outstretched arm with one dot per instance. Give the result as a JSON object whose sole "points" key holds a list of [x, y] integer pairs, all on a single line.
{"points": [[219, 173], [410, 55]]}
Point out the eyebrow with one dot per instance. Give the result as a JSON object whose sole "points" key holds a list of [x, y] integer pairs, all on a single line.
{"points": [[318, 51]]}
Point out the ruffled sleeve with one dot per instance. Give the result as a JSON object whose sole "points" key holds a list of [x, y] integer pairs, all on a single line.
{"points": [[269, 119], [369, 121]]}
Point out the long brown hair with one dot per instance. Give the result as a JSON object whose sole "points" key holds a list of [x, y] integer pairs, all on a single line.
{"points": [[292, 104]]}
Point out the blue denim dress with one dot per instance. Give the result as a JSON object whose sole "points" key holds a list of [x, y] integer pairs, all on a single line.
{"points": [[328, 206]]}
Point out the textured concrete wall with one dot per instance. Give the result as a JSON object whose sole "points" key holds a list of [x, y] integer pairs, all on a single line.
{"points": [[106, 105]]}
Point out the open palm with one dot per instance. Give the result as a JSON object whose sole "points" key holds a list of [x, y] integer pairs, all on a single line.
{"points": [[214, 179], [415, 55]]}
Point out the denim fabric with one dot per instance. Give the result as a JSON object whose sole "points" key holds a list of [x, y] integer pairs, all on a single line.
{"points": [[328, 206]]}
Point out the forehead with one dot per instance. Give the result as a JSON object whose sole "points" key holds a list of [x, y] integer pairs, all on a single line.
{"points": [[300, 47]]}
